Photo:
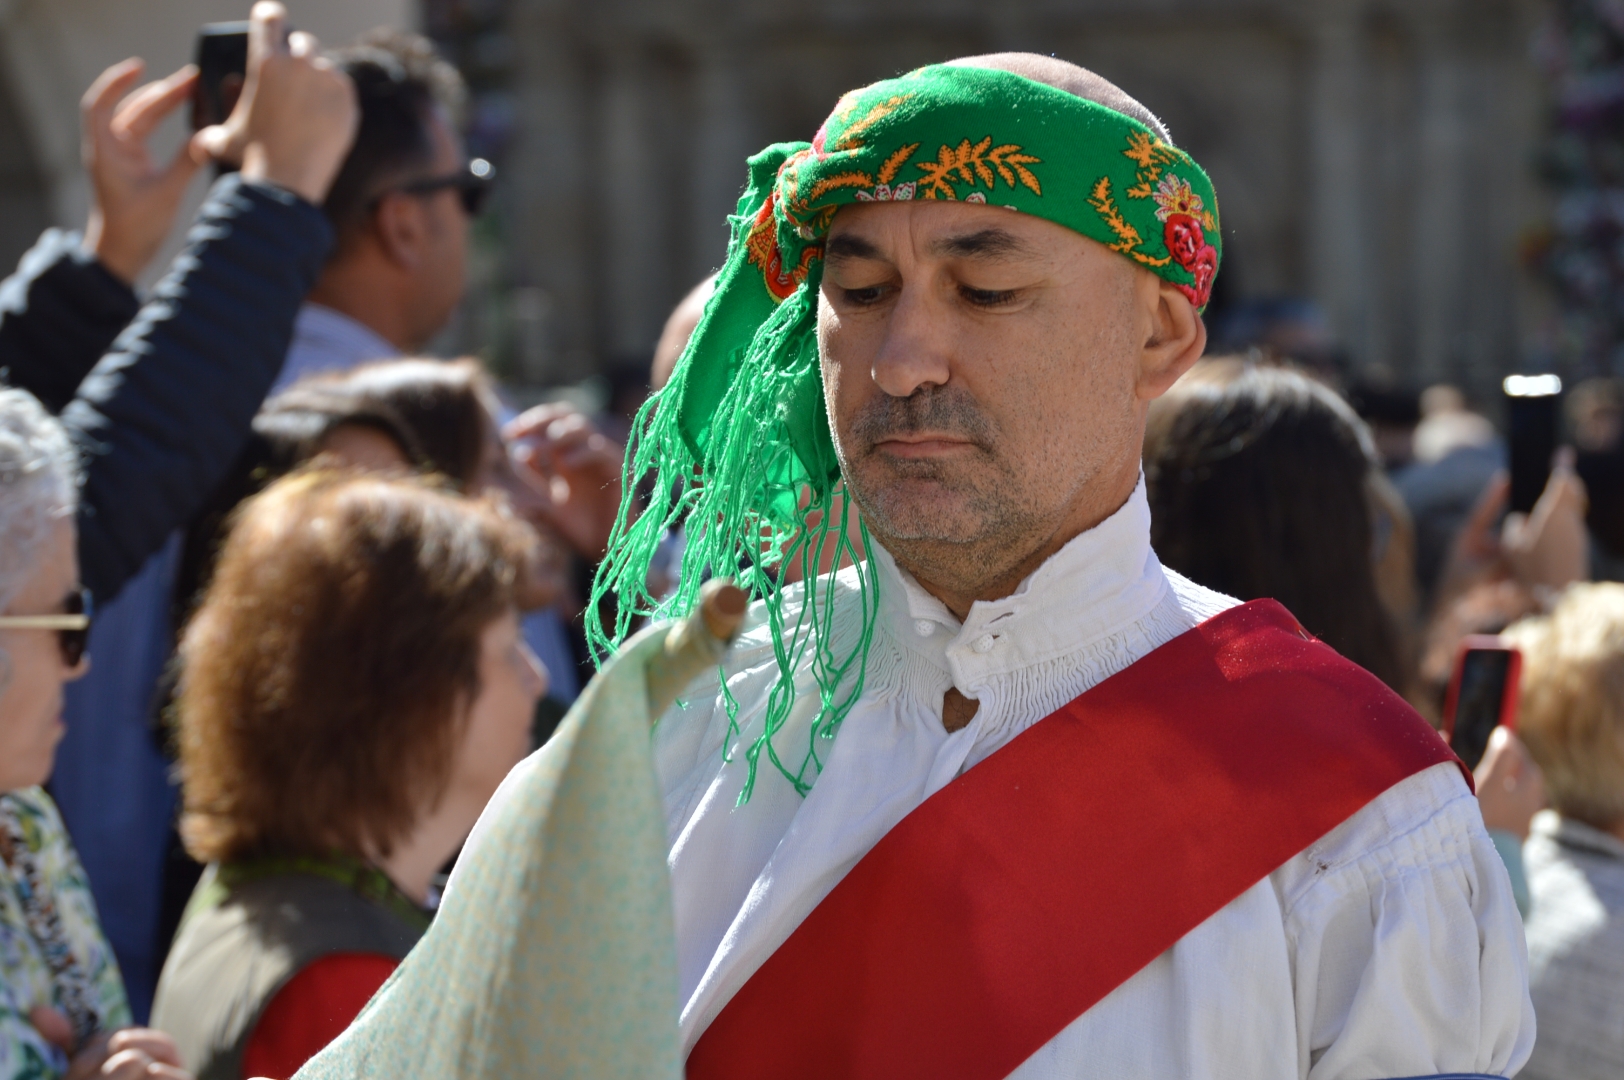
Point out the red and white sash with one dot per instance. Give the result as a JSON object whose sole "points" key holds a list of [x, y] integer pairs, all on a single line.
{"points": [[1015, 898]]}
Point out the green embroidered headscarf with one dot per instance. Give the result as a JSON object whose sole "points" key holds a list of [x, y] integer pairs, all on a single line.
{"points": [[738, 447]]}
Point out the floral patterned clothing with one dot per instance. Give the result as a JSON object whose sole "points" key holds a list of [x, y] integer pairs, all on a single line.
{"points": [[27, 980]]}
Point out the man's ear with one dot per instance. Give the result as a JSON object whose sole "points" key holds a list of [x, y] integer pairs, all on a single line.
{"points": [[1176, 339], [399, 225]]}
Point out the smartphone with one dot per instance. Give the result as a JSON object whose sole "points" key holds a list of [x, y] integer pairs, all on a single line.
{"points": [[1603, 474], [222, 65], [1482, 695], [1533, 420]]}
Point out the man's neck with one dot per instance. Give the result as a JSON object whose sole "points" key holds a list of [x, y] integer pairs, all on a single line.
{"points": [[377, 309], [961, 574]]}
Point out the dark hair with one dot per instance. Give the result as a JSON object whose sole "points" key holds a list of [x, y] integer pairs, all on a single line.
{"points": [[326, 679], [448, 407], [399, 82], [440, 415], [295, 424], [1258, 488]]}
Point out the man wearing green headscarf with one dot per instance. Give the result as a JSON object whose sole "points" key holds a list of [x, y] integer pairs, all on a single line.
{"points": [[1005, 797]]}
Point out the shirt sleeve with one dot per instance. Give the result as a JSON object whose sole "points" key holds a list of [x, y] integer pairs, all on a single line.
{"points": [[165, 412], [310, 1011], [1409, 951]]}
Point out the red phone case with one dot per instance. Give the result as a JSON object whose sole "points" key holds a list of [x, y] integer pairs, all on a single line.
{"points": [[1508, 699]]}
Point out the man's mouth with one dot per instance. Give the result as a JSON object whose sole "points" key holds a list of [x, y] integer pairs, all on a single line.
{"points": [[922, 445]]}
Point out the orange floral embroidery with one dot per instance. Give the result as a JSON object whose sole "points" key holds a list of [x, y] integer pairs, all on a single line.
{"points": [[1128, 238], [1151, 155], [848, 139], [970, 164], [839, 180], [899, 158], [1184, 216]]}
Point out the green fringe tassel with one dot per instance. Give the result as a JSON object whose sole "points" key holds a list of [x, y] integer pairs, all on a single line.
{"points": [[748, 497]]}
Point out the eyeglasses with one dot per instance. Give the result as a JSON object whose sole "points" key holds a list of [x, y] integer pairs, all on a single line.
{"points": [[72, 626], [473, 185]]}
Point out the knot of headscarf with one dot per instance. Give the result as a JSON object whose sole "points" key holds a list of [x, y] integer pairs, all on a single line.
{"points": [[737, 451]]}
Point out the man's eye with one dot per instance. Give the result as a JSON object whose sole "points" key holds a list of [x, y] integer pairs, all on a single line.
{"points": [[986, 297], [871, 295]]}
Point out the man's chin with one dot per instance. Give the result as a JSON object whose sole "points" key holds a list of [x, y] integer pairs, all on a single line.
{"points": [[924, 520]]}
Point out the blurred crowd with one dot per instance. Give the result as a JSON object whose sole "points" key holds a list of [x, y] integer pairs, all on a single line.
{"points": [[338, 586]]}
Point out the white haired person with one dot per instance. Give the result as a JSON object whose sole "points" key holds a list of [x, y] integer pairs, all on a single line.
{"points": [[1572, 718], [62, 1007]]}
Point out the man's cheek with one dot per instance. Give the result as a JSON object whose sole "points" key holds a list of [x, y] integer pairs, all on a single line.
{"points": [[846, 392]]}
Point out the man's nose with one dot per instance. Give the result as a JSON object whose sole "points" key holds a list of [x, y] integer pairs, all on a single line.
{"points": [[916, 350]]}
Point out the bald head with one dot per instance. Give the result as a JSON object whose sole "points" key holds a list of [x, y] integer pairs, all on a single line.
{"points": [[679, 327], [1072, 79]]}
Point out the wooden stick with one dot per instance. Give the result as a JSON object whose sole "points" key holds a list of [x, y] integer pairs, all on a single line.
{"points": [[698, 642]]}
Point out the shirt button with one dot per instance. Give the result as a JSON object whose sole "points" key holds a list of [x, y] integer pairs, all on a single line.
{"points": [[983, 644], [924, 627]]}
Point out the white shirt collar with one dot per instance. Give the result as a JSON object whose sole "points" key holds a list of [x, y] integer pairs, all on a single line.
{"points": [[328, 340], [1099, 583]]}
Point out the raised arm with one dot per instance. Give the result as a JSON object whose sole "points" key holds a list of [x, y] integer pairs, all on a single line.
{"points": [[163, 414], [72, 294]]}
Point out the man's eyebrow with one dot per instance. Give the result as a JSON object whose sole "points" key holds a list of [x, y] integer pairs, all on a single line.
{"points": [[850, 246], [992, 243]]}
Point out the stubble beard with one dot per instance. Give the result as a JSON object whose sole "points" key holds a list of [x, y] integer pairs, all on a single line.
{"points": [[961, 522]]}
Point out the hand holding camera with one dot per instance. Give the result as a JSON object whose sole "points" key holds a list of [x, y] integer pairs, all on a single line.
{"points": [[296, 117]]}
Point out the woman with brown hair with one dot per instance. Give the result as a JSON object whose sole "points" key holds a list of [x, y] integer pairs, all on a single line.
{"points": [[434, 417], [448, 406], [1262, 484], [353, 689]]}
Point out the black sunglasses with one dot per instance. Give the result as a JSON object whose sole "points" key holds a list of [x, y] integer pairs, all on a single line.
{"points": [[72, 625], [473, 185]]}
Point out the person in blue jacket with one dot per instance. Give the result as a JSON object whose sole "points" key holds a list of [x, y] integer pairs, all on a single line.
{"points": [[158, 398]]}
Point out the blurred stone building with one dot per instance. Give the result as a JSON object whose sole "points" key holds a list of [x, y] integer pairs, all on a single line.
{"points": [[1369, 156]]}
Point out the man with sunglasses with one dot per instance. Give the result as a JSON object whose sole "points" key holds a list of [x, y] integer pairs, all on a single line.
{"points": [[401, 207]]}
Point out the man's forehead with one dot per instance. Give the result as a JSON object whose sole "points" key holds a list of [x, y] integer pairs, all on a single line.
{"points": [[946, 230]]}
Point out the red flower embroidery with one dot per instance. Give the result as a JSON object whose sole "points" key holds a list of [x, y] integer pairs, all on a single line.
{"points": [[761, 247], [1188, 245], [1184, 238]]}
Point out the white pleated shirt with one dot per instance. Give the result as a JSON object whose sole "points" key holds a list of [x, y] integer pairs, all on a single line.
{"points": [[1390, 948]]}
